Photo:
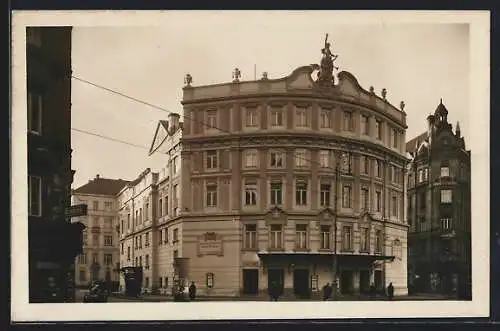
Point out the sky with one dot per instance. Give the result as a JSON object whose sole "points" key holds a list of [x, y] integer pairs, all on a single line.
{"points": [[418, 63]]}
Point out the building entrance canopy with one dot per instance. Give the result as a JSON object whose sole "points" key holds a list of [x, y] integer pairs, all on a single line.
{"points": [[322, 258]]}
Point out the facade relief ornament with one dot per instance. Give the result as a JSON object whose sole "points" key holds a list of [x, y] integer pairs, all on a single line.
{"points": [[188, 79], [276, 215]]}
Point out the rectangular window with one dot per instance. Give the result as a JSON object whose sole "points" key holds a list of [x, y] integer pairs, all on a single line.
{"points": [[301, 236], [394, 203], [365, 240], [276, 118], [250, 236], [212, 160], [34, 196], [146, 211], [160, 207], [160, 282], [35, 105], [108, 205], [147, 262], [128, 253], [166, 235], [95, 205], [346, 165], [325, 191], [446, 196], [176, 254], [365, 198], [324, 119], [445, 172], [301, 117], [108, 222], [108, 259], [210, 280], [324, 159], [211, 119], [140, 261], [348, 121], [365, 125], [165, 207], [378, 168], [160, 237], [95, 258], [82, 259], [347, 238], [251, 117], [346, 196], [301, 192], [95, 239], [378, 129], [276, 236], [395, 138], [276, 193], [251, 159], [446, 223], [82, 275], [128, 221], [325, 236], [122, 248], [250, 192], [378, 201], [175, 235], [108, 240], [211, 194], [300, 158], [146, 238], [378, 241], [174, 165], [276, 159], [140, 241]]}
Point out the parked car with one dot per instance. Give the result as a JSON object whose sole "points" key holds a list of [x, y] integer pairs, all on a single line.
{"points": [[97, 293]]}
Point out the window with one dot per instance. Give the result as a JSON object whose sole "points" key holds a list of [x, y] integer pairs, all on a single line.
{"points": [[166, 282], [212, 119], [378, 201], [146, 211], [346, 196], [420, 176], [324, 195], [108, 259], [324, 119], [445, 172], [140, 241], [378, 168], [108, 222], [147, 262], [394, 204], [122, 248], [140, 261], [276, 236], [82, 276], [251, 117], [301, 192], [346, 165], [175, 235], [393, 174], [174, 165], [84, 237], [176, 254], [122, 226], [446, 196], [348, 124], [160, 237], [364, 164], [365, 125], [277, 159], [365, 197], [378, 129], [108, 205], [34, 196], [250, 236], [324, 159], [426, 174], [300, 158], [395, 137], [211, 194], [446, 223], [378, 241], [276, 118], [166, 235], [146, 238], [347, 238], [365, 240], [95, 239], [160, 282], [141, 217], [35, 105], [95, 205], [250, 192], [95, 258], [128, 221], [276, 193], [212, 160], [128, 253], [301, 236], [301, 117], [325, 236], [210, 280], [82, 259], [108, 240], [165, 207], [251, 159], [160, 207], [136, 262]]}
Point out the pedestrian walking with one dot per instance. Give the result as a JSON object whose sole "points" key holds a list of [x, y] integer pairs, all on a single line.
{"points": [[327, 291], [390, 291], [192, 291]]}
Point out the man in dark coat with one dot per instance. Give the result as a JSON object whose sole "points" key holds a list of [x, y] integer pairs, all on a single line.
{"points": [[327, 291], [390, 291], [192, 291]]}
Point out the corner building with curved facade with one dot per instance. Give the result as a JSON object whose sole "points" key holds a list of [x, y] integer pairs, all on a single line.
{"points": [[283, 177]]}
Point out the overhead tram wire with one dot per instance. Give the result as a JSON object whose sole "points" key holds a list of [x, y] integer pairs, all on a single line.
{"points": [[109, 138], [312, 190]]}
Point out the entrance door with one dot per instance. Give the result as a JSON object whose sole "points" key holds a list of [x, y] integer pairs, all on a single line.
{"points": [[250, 281], [379, 285], [301, 283], [364, 281], [276, 275], [346, 281]]}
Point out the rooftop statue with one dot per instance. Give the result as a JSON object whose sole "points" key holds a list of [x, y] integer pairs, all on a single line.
{"points": [[325, 75]]}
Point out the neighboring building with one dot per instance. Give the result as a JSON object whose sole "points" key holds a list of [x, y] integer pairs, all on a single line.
{"points": [[439, 209], [101, 256], [281, 179], [53, 240]]}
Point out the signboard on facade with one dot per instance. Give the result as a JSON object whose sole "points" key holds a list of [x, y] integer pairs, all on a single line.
{"points": [[210, 243], [76, 210]]}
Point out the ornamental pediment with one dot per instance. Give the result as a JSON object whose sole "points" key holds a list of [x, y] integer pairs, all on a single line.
{"points": [[276, 214]]}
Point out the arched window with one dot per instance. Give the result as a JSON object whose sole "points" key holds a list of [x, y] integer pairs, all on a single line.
{"points": [[396, 249], [210, 280]]}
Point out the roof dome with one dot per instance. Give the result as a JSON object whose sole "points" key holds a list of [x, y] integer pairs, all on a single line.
{"points": [[441, 110]]}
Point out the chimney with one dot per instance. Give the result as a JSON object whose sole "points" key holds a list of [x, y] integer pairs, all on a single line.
{"points": [[173, 122], [430, 127], [97, 176], [457, 130]]}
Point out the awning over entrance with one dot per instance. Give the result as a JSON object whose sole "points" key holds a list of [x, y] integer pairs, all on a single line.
{"points": [[323, 258]]}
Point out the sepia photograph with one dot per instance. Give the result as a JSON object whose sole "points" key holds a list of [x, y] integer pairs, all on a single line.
{"points": [[242, 165]]}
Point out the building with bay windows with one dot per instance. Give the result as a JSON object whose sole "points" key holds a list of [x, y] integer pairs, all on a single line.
{"points": [[439, 209], [297, 180]]}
